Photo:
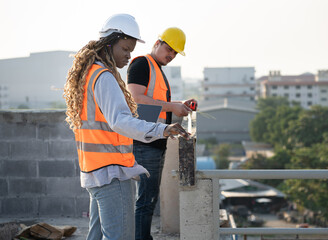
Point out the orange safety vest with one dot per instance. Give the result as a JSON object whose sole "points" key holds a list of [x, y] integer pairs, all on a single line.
{"points": [[97, 144], [156, 88]]}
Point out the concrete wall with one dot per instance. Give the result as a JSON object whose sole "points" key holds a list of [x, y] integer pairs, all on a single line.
{"points": [[39, 172]]}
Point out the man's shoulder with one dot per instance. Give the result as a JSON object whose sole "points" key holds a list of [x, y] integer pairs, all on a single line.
{"points": [[139, 61], [138, 71]]}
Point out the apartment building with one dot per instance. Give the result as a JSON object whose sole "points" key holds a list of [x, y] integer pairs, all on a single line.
{"points": [[306, 89], [230, 83]]}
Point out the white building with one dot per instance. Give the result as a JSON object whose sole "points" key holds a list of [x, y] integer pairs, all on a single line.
{"points": [[173, 75], [230, 82], [306, 89], [35, 81]]}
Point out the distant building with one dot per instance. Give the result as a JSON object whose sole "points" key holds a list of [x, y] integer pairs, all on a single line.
{"points": [[306, 89], [191, 88], [230, 82], [253, 149], [4, 96], [173, 75], [35, 81], [226, 120]]}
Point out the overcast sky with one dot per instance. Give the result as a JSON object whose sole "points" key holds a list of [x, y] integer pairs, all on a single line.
{"points": [[286, 35]]}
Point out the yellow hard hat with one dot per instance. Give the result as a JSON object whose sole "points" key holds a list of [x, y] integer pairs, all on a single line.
{"points": [[175, 38]]}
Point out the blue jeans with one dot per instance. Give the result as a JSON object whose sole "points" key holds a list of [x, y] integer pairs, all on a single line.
{"points": [[148, 188], [112, 211]]}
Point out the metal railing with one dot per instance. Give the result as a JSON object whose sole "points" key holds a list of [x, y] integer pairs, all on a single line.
{"points": [[216, 175]]}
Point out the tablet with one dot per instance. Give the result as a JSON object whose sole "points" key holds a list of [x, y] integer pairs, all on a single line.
{"points": [[149, 113]]}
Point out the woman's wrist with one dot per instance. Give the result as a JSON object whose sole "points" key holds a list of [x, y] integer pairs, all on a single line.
{"points": [[165, 134]]}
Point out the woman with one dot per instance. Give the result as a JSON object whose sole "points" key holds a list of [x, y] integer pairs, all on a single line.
{"points": [[100, 112]]}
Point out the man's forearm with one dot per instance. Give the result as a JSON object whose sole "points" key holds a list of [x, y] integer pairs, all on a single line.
{"points": [[143, 99]]}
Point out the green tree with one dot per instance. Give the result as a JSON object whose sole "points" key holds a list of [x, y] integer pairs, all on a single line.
{"points": [[272, 102], [278, 161], [259, 126], [221, 156], [255, 162], [309, 128], [300, 138], [271, 123], [314, 157], [278, 125], [312, 193]]}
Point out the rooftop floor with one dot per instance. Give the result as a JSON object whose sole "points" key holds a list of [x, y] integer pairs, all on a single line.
{"points": [[82, 226], [271, 221]]}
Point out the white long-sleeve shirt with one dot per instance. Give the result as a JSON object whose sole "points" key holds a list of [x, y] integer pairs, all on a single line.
{"points": [[112, 103]]}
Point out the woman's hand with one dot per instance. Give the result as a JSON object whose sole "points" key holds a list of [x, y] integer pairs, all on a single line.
{"points": [[175, 129]]}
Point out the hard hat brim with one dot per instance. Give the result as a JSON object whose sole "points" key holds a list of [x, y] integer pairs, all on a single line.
{"points": [[103, 34], [141, 41]]}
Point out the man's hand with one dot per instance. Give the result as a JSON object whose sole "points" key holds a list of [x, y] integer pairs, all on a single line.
{"points": [[180, 109], [188, 103], [175, 129]]}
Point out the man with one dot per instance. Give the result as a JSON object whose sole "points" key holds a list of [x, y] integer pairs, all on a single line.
{"points": [[149, 85]]}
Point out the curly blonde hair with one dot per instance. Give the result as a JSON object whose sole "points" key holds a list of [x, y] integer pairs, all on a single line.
{"points": [[76, 78]]}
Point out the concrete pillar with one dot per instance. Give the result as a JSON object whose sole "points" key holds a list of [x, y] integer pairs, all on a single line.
{"points": [[169, 191], [199, 207], [196, 211]]}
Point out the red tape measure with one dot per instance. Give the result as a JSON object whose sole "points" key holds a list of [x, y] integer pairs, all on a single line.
{"points": [[193, 106]]}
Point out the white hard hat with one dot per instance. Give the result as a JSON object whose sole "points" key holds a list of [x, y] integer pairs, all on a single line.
{"points": [[123, 23]]}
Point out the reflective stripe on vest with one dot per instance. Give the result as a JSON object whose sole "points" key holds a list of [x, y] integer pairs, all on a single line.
{"points": [[152, 79], [156, 88], [97, 144]]}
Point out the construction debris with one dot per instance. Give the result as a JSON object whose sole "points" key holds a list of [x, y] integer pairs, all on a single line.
{"points": [[45, 231]]}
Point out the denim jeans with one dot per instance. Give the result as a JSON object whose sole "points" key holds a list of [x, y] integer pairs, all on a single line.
{"points": [[112, 211], [148, 188]]}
